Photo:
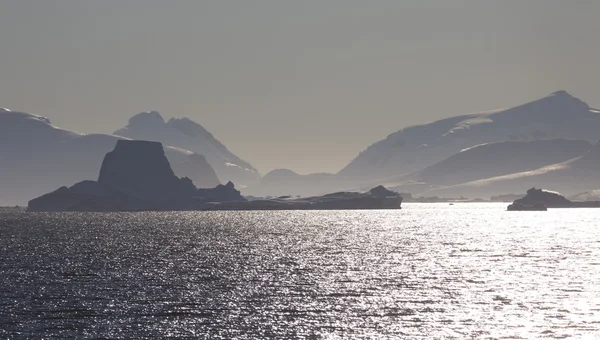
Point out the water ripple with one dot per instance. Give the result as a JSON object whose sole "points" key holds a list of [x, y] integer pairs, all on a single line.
{"points": [[429, 271]]}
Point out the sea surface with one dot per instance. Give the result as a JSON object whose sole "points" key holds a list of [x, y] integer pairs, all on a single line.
{"points": [[428, 271]]}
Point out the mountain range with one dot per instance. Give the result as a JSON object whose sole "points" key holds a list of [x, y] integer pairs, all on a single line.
{"points": [[189, 135], [36, 157], [550, 142], [411, 149], [436, 158]]}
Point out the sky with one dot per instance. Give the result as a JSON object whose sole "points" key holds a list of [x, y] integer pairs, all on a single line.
{"points": [[304, 85]]}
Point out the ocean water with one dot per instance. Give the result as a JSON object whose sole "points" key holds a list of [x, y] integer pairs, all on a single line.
{"points": [[429, 271]]}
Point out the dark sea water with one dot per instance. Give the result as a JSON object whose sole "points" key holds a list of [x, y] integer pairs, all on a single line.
{"points": [[429, 271]]}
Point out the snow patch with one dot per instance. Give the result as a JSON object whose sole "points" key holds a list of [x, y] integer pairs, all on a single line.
{"points": [[475, 146], [467, 124], [540, 171]]}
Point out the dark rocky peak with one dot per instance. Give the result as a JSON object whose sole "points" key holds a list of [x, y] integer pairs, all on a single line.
{"points": [[222, 193], [146, 119], [565, 99], [561, 93], [141, 168], [130, 157]]}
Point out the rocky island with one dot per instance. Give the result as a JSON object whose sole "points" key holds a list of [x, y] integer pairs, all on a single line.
{"points": [[376, 198], [541, 200], [137, 176]]}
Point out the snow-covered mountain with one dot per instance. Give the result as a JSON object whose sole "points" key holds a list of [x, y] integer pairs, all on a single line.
{"points": [[37, 157], [189, 135], [558, 115], [569, 178], [490, 160]]}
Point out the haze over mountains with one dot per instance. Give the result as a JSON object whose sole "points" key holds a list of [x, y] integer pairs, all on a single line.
{"points": [[491, 160], [36, 157], [189, 135], [572, 177], [558, 115], [462, 149], [550, 142]]}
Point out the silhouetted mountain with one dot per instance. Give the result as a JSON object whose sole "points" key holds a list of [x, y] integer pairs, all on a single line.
{"points": [[571, 177], [140, 168], [36, 157], [136, 175], [556, 116], [189, 135]]}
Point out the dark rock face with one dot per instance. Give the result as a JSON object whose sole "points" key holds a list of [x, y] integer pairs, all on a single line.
{"points": [[88, 196], [141, 169], [221, 193], [382, 192], [136, 175], [538, 198], [548, 198]]}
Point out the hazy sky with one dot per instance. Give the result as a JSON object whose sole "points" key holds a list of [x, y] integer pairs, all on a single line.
{"points": [[304, 84]]}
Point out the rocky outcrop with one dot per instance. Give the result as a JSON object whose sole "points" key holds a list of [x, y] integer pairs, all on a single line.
{"points": [[548, 198], [135, 176], [538, 198], [89, 196], [141, 169], [221, 193]]}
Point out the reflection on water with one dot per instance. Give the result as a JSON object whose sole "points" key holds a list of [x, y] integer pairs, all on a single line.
{"points": [[428, 271]]}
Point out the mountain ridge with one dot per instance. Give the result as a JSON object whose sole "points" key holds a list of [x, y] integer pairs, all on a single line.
{"points": [[187, 134], [37, 156], [558, 115]]}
